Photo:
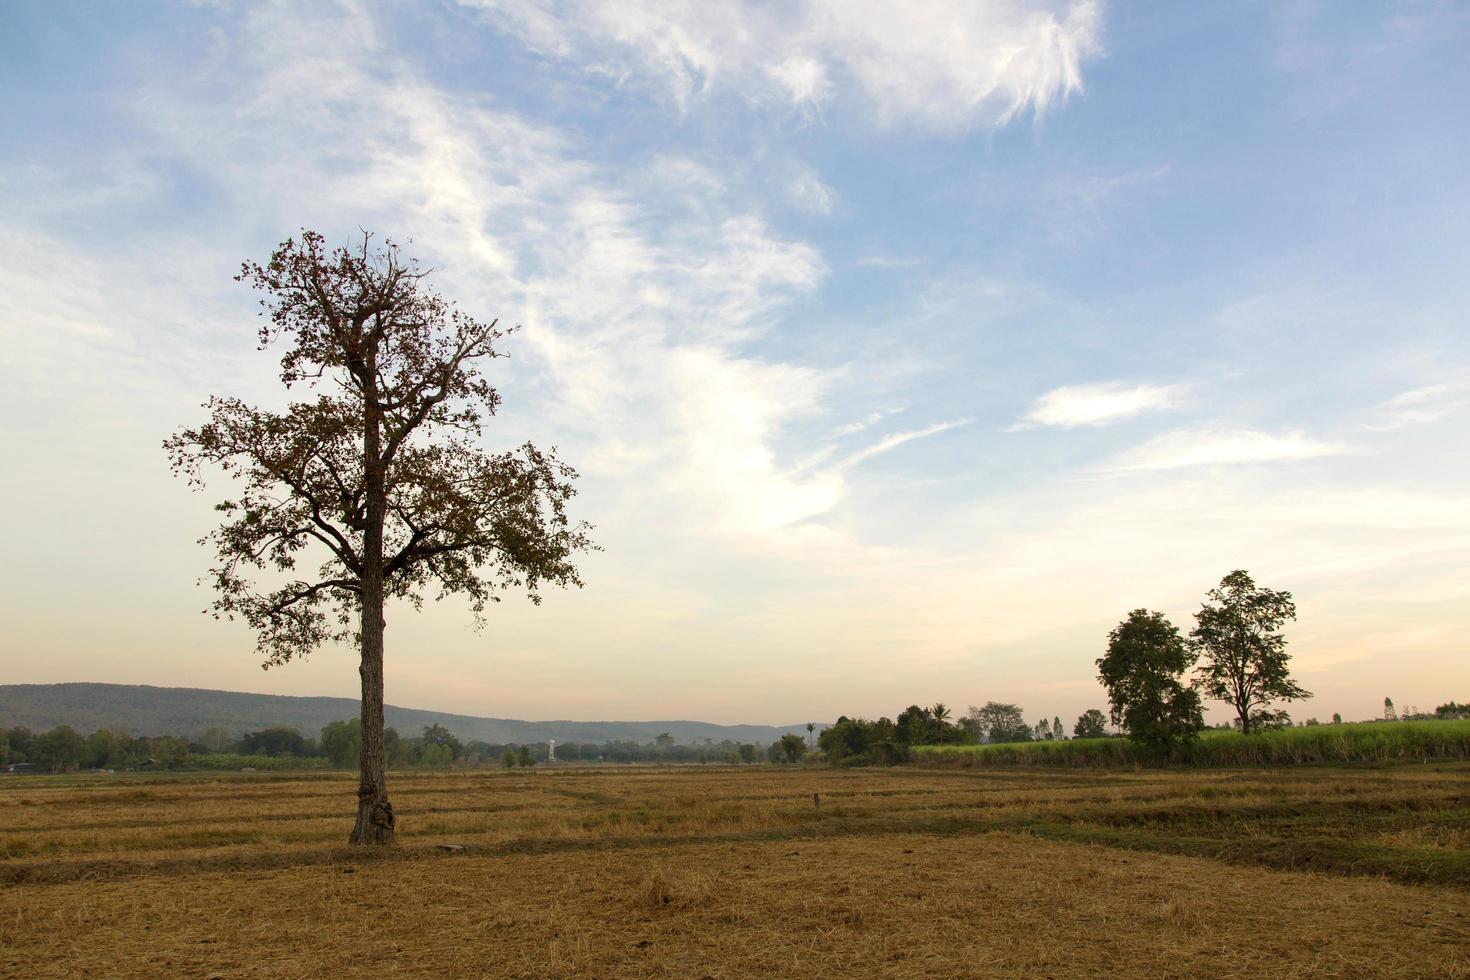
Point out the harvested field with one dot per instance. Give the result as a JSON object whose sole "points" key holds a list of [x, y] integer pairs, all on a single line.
{"points": [[729, 872]]}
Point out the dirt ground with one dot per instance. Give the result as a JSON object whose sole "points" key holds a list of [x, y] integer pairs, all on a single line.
{"points": [[732, 872]]}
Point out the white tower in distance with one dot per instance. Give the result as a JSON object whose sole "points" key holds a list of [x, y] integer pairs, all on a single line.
{"points": [[551, 751]]}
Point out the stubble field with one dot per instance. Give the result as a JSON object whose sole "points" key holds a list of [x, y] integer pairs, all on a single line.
{"points": [[729, 872]]}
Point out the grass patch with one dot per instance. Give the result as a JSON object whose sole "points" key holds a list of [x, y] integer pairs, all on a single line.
{"points": [[1363, 742]]}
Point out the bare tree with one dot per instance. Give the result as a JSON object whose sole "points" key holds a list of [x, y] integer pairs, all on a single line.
{"points": [[377, 484]]}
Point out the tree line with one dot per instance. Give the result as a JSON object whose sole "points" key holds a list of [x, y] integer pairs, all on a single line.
{"points": [[339, 745], [857, 741]]}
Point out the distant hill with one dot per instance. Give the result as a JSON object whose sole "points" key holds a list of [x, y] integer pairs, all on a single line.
{"points": [[139, 709]]}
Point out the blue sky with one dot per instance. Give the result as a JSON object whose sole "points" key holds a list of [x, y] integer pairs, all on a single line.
{"points": [[903, 348]]}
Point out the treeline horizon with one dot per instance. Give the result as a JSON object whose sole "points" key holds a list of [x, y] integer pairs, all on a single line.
{"points": [[282, 747]]}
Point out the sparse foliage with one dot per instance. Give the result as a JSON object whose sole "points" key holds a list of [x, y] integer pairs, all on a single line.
{"points": [[1245, 660], [376, 487], [1000, 722]]}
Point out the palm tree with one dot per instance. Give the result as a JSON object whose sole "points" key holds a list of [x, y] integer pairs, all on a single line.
{"points": [[811, 727], [939, 712]]}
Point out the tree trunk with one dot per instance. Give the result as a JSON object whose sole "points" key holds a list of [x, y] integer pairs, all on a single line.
{"points": [[374, 812]]}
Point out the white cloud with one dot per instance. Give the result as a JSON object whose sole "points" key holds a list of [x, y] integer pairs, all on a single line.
{"points": [[1417, 406], [936, 64], [640, 289], [1098, 404], [807, 192], [1210, 446], [867, 421], [891, 442]]}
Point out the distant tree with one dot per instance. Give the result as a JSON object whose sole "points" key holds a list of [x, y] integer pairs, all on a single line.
{"points": [[439, 735], [1090, 724], [748, 752], [19, 740], [508, 760], [523, 757], [215, 739], [1141, 670], [1389, 714], [912, 725], [342, 742], [58, 750], [793, 747], [276, 741], [395, 749], [1000, 722], [663, 743], [378, 483], [810, 737], [170, 751], [940, 713], [1238, 630], [1336, 718], [1451, 711], [1057, 731]]}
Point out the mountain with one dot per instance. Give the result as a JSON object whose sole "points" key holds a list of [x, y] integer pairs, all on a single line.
{"points": [[139, 709]]}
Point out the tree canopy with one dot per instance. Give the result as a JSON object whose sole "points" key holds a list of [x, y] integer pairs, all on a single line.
{"points": [[1245, 662], [1142, 669], [374, 487]]}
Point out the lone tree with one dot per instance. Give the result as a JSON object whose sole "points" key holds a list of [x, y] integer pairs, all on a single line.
{"points": [[1090, 724], [1146, 658], [1245, 658], [375, 487]]}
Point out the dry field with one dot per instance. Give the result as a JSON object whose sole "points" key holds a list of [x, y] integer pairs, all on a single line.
{"points": [[729, 872]]}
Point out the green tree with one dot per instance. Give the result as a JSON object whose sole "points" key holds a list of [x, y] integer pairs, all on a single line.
{"points": [[912, 726], [102, 749], [663, 743], [1146, 658], [58, 750], [508, 760], [342, 742], [276, 741], [1001, 722], [748, 752], [811, 739], [440, 736], [792, 746], [215, 739], [1057, 731], [1389, 714], [395, 749], [940, 713], [378, 484], [1245, 660], [523, 758], [1090, 724]]}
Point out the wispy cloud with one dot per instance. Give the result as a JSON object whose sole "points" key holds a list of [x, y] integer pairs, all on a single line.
{"points": [[1211, 446], [1100, 403], [1417, 406], [892, 442], [867, 421], [941, 66], [807, 192]]}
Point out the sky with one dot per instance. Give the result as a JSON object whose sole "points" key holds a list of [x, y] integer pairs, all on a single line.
{"points": [[902, 348]]}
